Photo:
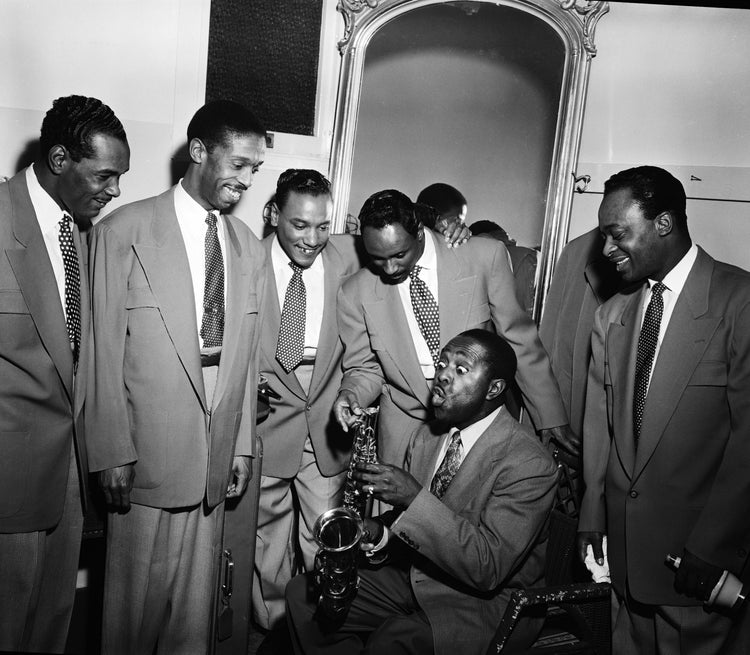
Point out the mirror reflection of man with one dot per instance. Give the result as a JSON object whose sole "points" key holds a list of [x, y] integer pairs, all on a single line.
{"points": [[467, 528], [44, 349], [394, 317], [667, 422], [305, 451], [177, 283]]}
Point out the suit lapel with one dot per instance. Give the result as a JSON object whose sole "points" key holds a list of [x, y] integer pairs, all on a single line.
{"points": [[385, 313], [238, 285], [270, 324], [686, 339], [168, 272], [333, 276], [36, 280], [622, 344], [455, 293]]}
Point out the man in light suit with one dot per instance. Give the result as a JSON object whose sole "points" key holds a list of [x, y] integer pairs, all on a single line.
{"points": [[44, 350], [467, 528], [305, 452], [177, 284], [387, 355], [583, 280], [667, 425]]}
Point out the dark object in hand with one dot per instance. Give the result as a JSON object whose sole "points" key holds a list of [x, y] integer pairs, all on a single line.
{"points": [[696, 577]]}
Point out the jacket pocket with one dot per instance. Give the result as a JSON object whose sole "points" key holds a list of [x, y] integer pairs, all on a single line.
{"points": [[709, 374], [12, 302], [140, 297]]}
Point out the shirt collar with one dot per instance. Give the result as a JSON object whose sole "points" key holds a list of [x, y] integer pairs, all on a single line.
{"points": [[188, 208], [281, 260], [676, 278], [428, 260], [470, 434], [47, 211]]}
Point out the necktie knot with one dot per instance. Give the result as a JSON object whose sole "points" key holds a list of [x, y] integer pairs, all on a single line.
{"points": [[414, 273], [658, 289], [296, 270], [66, 221], [211, 220]]}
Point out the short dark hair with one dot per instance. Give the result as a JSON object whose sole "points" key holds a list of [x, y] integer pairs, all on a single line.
{"points": [[389, 207], [217, 121], [73, 122], [300, 180], [442, 197], [653, 189], [501, 358]]}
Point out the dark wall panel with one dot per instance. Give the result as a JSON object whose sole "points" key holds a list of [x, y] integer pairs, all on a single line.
{"points": [[264, 54]]}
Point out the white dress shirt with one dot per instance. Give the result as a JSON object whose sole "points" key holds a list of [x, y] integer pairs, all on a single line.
{"points": [[674, 281], [314, 280], [428, 262], [191, 218], [48, 214]]}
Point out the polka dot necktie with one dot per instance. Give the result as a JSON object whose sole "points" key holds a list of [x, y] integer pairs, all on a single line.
{"points": [[212, 325], [291, 344], [426, 312], [448, 467], [72, 285], [645, 354]]}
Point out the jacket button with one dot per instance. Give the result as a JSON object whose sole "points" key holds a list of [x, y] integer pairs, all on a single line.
{"points": [[308, 408], [634, 494], [741, 553]]}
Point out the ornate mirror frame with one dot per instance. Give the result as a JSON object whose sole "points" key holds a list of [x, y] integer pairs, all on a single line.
{"points": [[575, 23]]}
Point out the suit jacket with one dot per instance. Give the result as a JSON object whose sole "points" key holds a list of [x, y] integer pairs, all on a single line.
{"points": [[687, 485], [583, 280], [484, 539], [40, 407], [148, 404], [475, 290], [297, 413]]}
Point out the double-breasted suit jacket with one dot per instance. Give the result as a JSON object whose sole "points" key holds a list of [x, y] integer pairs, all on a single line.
{"points": [[148, 403], [582, 281], [686, 485], [297, 413], [485, 538], [41, 409], [475, 290]]}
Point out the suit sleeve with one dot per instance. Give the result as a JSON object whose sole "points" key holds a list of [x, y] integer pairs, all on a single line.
{"points": [[596, 437], [362, 372], [721, 534], [522, 496], [540, 391], [246, 445], [108, 439]]}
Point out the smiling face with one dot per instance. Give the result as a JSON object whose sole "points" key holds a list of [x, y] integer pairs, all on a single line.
{"points": [[633, 243], [393, 251], [223, 174], [85, 187], [302, 226], [463, 384]]}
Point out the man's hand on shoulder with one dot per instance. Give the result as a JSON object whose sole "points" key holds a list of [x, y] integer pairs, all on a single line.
{"points": [[454, 231], [387, 483], [116, 484]]}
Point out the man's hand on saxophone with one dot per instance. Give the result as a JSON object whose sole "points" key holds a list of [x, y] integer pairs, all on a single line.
{"points": [[388, 483], [347, 409]]}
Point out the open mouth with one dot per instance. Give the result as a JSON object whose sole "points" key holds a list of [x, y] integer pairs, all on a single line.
{"points": [[234, 192], [438, 396], [620, 263]]}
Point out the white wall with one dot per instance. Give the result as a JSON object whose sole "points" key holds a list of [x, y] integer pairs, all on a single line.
{"points": [[670, 86], [147, 60]]}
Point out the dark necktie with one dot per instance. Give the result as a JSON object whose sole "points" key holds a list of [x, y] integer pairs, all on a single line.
{"points": [[212, 325], [645, 355], [72, 285], [448, 467], [426, 312], [291, 344]]}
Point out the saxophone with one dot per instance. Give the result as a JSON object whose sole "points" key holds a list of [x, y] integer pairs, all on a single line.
{"points": [[339, 531]]}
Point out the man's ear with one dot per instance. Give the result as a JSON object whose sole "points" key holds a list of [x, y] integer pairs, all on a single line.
{"points": [[664, 223], [197, 150], [273, 214], [56, 158], [420, 232], [496, 388]]}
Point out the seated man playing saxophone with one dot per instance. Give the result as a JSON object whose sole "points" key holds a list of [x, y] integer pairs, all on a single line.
{"points": [[468, 525]]}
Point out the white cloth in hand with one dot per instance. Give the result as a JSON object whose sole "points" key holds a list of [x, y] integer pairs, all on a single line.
{"points": [[599, 572]]}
